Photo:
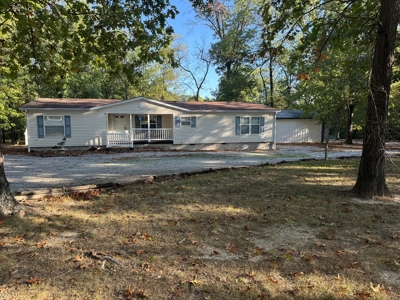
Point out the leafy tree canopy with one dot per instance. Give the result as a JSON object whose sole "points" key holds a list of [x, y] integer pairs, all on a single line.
{"points": [[50, 37]]}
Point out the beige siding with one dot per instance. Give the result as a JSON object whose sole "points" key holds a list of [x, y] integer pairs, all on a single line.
{"points": [[132, 107], [298, 131], [220, 128], [167, 121], [87, 129]]}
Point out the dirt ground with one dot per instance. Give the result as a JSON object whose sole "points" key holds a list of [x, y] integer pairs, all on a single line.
{"points": [[285, 232], [54, 169]]}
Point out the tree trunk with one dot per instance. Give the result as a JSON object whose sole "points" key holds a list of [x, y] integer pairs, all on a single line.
{"points": [[271, 82], [349, 127], [7, 201], [371, 180], [264, 87], [228, 66]]}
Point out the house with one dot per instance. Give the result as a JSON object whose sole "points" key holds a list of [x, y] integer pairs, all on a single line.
{"points": [[293, 127], [138, 121]]}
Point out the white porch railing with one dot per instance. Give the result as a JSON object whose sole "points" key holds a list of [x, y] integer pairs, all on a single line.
{"points": [[152, 134], [138, 134], [119, 139]]}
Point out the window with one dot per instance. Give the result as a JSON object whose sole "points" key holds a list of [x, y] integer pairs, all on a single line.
{"points": [[54, 126], [142, 121], [244, 125], [255, 125], [249, 125], [185, 121]]}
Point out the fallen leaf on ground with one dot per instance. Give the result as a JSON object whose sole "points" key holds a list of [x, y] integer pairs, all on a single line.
{"points": [[362, 295], [259, 251], [272, 280], [134, 293], [78, 259], [35, 280], [41, 244]]}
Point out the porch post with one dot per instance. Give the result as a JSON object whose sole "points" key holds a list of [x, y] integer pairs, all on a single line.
{"points": [[130, 130], [107, 137], [274, 133], [148, 127], [27, 132]]}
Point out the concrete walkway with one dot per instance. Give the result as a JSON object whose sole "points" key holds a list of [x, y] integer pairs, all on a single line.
{"points": [[31, 172]]}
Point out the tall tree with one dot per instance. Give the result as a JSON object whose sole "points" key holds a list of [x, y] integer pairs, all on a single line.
{"points": [[371, 180], [196, 65], [236, 32], [50, 38], [320, 24]]}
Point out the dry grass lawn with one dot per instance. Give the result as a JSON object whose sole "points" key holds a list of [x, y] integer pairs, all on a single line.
{"points": [[290, 231]]}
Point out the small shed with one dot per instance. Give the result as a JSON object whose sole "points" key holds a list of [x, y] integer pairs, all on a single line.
{"points": [[292, 126]]}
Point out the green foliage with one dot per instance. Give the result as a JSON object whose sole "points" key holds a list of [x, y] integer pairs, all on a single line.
{"points": [[236, 32], [241, 86], [330, 53], [50, 38], [335, 84], [155, 81], [13, 94], [394, 104]]}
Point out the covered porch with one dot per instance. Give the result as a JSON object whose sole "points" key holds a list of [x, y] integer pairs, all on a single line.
{"points": [[123, 130]]}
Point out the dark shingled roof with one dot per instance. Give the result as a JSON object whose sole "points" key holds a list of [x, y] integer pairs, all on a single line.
{"points": [[293, 114], [70, 103], [66, 103], [220, 105]]}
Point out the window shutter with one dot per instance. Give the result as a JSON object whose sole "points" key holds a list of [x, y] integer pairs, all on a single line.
{"points": [[237, 129], [192, 121], [40, 125], [262, 122], [137, 122], [159, 121], [67, 125], [177, 121]]}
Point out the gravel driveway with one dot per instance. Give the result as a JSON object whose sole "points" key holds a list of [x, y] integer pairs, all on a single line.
{"points": [[32, 172]]}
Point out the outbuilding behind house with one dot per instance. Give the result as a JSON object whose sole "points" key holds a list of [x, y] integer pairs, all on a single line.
{"points": [[292, 126]]}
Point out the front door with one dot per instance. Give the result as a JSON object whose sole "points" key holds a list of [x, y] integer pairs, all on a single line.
{"points": [[120, 124]]}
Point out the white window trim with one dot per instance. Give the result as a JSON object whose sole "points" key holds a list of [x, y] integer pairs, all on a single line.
{"points": [[147, 120], [46, 125], [250, 124], [186, 125]]}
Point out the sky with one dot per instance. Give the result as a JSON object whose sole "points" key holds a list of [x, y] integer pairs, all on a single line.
{"points": [[191, 32]]}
